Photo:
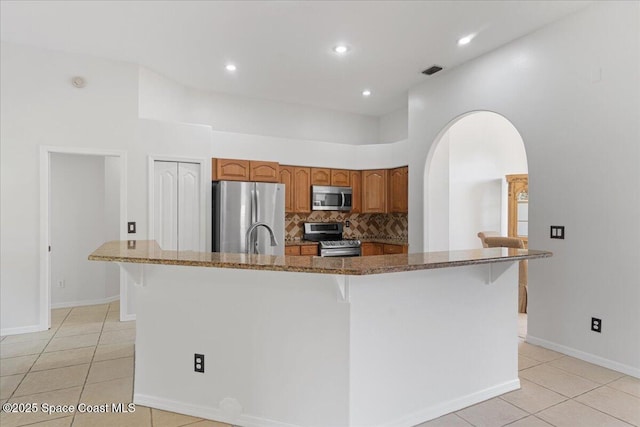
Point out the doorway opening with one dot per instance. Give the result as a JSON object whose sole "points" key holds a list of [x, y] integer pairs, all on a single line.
{"points": [[466, 183], [82, 204]]}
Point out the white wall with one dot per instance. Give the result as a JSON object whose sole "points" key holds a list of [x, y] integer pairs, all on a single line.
{"points": [[394, 126], [78, 226], [162, 99], [39, 106], [581, 135], [475, 153], [112, 167]]}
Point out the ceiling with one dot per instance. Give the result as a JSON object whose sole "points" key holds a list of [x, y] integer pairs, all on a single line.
{"points": [[283, 49]]}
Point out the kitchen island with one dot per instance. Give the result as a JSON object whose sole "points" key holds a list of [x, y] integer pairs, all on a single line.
{"points": [[391, 340]]}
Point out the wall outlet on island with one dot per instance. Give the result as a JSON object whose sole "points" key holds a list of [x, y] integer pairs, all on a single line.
{"points": [[596, 325]]}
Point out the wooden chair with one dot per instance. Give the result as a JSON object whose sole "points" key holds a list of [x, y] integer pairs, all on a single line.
{"points": [[483, 234], [513, 242]]}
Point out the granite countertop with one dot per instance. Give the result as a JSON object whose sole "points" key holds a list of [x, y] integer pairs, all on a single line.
{"points": [[149, 252], [388, 240]]}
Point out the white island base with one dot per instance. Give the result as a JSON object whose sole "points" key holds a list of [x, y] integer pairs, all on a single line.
{"points": [[308, 349]]}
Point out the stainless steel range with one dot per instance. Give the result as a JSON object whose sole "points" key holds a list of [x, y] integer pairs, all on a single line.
{"points": [[329, 236]]}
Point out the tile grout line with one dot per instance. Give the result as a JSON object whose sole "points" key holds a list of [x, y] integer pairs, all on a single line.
{"points": [[36, 359], [73, 419]]}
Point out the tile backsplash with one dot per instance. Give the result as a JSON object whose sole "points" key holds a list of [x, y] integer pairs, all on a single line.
{"points": [[363, 226]]}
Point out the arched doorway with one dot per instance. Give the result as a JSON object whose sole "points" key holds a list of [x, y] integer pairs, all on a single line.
{"points": [[466, 190]]}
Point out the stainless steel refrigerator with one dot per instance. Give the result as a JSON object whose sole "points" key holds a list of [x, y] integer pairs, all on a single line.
{"points": [[241, 206]]}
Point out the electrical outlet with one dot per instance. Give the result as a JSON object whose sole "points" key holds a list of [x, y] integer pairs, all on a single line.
{"points": [[61, 283], [131, 227], [557, 232], [596, 325], [198, 362], [347, 223]]}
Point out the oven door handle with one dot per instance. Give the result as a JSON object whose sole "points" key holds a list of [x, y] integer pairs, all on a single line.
{"points": [[340, 252]]}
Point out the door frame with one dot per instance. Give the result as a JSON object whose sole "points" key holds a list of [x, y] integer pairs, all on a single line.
{"points": [[45, 219], [205, 202]]}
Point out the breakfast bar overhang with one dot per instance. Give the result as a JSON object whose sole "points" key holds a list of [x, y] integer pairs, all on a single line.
{"points": [[391, 340]]}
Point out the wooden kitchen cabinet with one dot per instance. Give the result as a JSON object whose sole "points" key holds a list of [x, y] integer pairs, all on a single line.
{"points": [[264, 171], [229, 170], [292, 250], [297, 188], [398, 199], [320, 176], [355, 178], [374, 191], [370, 248], [305, 250], [389, 249], [286, 177], [301, 190], [340, 177]]}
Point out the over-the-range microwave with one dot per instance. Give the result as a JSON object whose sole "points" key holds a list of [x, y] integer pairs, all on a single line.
{"points": [[326, 198]]}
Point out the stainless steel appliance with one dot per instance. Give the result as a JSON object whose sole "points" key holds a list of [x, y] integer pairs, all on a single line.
{"points": [[329, 236], [326, 198], [248, 217]]}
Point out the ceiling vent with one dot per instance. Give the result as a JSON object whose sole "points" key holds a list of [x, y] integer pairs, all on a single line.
{"points": [[432, 70]]}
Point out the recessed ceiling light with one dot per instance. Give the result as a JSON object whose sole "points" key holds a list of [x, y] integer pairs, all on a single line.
{"points": [[230, 67], [366, 92], [465, 40], [341, 49]]}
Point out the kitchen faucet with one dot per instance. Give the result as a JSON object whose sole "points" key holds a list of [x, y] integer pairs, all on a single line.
{"points": [[247, 237]]}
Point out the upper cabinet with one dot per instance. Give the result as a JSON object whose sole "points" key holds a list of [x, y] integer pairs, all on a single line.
{"points": [[340, 177], [355, 178], [518, 206], [399, 190], [229, 170], [286, 178], [301, 190], [243, 170], [374, 191], [297, 188], [264, 171], [320, 176]]}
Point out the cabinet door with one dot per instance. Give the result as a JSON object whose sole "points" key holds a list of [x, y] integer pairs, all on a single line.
{"points": [[398, 189], [302, 190], [374, 191], [394, 249], [320, 176], [356, 188], [286, 178], [229, 170], [340, 177], [292, 250], [369, 248], [309, 250], [263, 171]]}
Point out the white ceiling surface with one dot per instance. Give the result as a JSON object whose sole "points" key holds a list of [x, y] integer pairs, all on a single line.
{"points": [[283, 49]]}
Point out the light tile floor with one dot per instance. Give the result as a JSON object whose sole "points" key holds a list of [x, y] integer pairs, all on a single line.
{"points": [[87, 357]]}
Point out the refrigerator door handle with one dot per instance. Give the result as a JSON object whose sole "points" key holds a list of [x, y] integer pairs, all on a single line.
{"points": [[257, 198]]}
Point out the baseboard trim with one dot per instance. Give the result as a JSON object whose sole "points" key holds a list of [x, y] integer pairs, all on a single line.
{"points": [[21, 330], [86, 302], [251, 421], [444, 408], [127, 317], [587, 357], [205, 412]]}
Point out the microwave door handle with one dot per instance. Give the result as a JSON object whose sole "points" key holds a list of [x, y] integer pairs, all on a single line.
{"points": [[343, 199]]}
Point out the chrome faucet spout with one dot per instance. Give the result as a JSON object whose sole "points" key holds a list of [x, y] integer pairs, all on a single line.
{"points": [[251, 243]]}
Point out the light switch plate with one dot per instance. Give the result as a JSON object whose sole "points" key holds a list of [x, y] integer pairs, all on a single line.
{"points": [[131, 227]]}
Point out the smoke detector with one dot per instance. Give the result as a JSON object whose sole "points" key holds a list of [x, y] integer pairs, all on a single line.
{"points": [[78, 82]]}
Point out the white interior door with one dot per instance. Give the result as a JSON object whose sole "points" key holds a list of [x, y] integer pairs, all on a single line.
{"points": [[177, 206], [189, 234]]}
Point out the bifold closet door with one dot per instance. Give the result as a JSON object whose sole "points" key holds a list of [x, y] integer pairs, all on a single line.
{"points": [[177, 205]]}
